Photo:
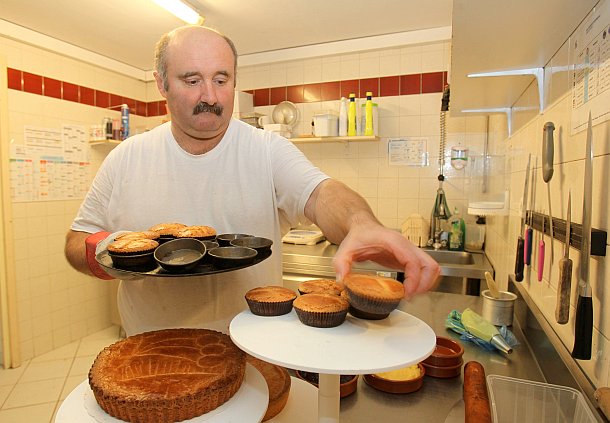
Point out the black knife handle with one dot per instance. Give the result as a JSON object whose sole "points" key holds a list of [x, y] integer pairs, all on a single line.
{"points": [[519, 260], [583, 329], [529, 235]]}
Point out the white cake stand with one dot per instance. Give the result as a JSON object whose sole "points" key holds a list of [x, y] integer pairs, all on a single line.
{"points": [[249, 404], [355, 347]]}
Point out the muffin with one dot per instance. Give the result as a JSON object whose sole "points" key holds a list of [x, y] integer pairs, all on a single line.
{"points": [[198, 232], [133, 254], [132, 246], [320, 286], [139, 235], [372, 297], [270, 300], [167, 230], [321, 310]]}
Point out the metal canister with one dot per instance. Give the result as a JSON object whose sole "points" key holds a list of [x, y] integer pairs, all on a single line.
{"points": [[124, 121]]}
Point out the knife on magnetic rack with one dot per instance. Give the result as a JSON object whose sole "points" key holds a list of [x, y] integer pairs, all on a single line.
{"points": [[564, 286], [519, 259], [583, 329]]}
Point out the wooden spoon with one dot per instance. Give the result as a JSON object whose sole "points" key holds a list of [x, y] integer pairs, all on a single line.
{"points": [[493, 288]]}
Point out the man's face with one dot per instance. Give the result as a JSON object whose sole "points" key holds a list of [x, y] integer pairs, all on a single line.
{"points": [[201, 80]]}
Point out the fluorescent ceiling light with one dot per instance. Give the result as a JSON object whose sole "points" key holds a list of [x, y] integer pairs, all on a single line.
{"points": [[181, 10]]}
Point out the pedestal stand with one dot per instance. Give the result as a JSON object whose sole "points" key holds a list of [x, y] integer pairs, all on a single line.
{"points": [[355, 347]]}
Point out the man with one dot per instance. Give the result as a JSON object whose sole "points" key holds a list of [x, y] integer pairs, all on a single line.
{"points": [[204, 168]]}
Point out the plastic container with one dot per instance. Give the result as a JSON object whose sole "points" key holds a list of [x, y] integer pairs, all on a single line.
{"points": [[343, 117], [475, 235], [326, 124], [375, 118], [457, 234], [524, 401]]}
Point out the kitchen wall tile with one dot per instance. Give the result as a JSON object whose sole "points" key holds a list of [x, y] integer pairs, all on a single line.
{"points": [[350, 86], [277, 75], [261, 97], [369, 64], [295, 73], [312, 93], [312, 71], [277, 95], [31, 393], [32, 83], [389, 86], [331, 68], [70, 91], [410, 84], [369, 84], [330, 90], [37, 413], [368, 187], [15, 79], [295, 93], [387, 208], [432, 61], [410, 126], [431, 82], [389, 62], [102, 99], [410, 62], [52, 87], [350, 67]]}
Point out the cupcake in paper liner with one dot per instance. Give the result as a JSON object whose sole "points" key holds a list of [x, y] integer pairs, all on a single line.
{"points": [[321, 310], [372, 297], [270, 300]]}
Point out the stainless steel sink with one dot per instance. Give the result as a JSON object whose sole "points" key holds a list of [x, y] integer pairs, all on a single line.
{"points": [[451, 257]]}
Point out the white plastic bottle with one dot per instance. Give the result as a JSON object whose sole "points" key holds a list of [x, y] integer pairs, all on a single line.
{"points": [[343, 117]]}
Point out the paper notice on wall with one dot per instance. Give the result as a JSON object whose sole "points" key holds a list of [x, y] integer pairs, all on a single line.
{"points": [[51, 165], [590, 68], [409, 151]]}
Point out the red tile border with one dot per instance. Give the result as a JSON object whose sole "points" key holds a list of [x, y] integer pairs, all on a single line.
{"points": [[432, 82], [410, 84], [51, 87], [389, 86], [350, 86], [32, 83], [15, 79], [87, 96], [277, 95], [261, 97], [325, 91], [294, 93], [369, 84], [312, 93], [71, 92]]}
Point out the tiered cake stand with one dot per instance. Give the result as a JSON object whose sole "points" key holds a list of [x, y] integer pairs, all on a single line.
{"points": [[355, 347]]}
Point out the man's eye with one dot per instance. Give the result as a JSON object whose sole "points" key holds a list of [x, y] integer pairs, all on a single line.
{"points": [[191, 82], [221, 81]]}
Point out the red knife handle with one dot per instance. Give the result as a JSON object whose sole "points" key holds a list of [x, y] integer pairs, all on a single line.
{"points": [[528, 245], [519, 261], [583, 332], [540, 259]]}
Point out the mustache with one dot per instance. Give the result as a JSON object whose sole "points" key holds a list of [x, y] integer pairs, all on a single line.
{"points": [[203, 107]]}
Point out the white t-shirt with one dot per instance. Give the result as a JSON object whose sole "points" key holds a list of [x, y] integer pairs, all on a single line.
{"points": [[252, 182]]}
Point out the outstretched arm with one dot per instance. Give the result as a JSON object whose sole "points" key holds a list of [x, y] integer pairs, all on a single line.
{"points": [[346, 219]]}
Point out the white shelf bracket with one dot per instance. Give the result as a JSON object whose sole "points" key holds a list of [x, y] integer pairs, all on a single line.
{"points": [[536, 72]]}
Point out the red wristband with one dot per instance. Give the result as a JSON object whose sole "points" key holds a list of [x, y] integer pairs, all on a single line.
{"points": [[91, 243]]}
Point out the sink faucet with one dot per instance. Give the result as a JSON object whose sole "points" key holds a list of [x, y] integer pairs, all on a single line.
{"points": [[438, 237]]}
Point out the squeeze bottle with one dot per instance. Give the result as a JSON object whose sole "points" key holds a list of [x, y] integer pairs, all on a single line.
{"points": [[351, 116], [368, 115], [343, 117]]}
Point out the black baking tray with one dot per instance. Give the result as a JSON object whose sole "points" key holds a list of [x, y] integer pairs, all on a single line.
{"points": [[204, 268]]}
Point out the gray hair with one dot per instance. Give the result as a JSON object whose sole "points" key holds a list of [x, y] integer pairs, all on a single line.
{"points": [[160, 61]]}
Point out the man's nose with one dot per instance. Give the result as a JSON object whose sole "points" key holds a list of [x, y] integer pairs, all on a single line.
{"points": [[208, 93]]}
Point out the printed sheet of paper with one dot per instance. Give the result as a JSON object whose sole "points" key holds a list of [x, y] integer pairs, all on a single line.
{"points": [[409, 151]]}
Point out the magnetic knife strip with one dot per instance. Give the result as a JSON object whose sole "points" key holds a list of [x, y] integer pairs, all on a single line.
{"points": [[598, 237]]}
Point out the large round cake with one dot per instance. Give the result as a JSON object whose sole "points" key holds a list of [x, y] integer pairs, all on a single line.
{"points": [[167, 375]]}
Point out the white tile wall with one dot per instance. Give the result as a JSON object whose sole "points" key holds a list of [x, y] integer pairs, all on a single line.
{"points": [[393, 192], [55, 304]]}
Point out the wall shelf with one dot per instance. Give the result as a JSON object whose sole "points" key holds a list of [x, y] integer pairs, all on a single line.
{"points": [[358, 138], [105, 142]]}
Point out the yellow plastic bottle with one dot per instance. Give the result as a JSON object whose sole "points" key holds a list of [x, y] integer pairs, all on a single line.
{"points": [[351, 116], [368, 115]]}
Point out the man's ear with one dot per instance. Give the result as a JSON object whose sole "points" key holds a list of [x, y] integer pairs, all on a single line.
{"points": [[160, 85]]}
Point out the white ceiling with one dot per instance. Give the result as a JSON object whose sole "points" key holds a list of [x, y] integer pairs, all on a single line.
{"points": [[127, 30]]}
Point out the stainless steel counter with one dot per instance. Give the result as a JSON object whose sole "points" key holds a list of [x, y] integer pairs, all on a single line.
{"points": [[433, 402], [461, 272]]}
